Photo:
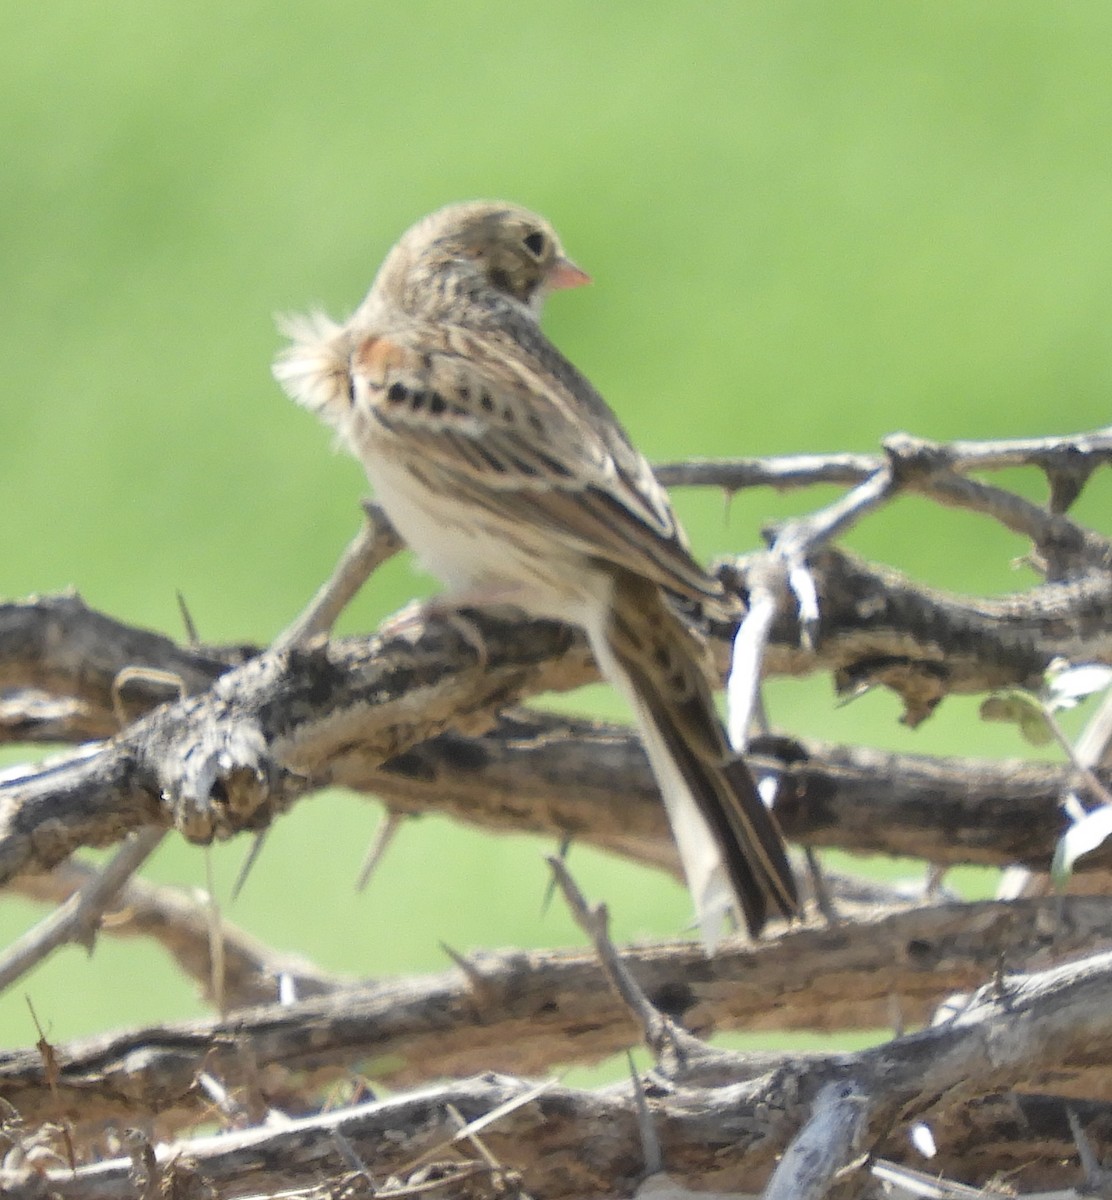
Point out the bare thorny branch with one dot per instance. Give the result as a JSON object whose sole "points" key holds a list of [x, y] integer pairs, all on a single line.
{"points": [[413, 718]]}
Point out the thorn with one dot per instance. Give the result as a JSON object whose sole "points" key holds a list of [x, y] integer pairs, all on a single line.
{"points": [[51, 1072], [215, 936], [287, 990], [223, 1100], [481, 985], [823, 897], [932, 886], [895, 1015], [248, 864], [464, 1130], [650, 1143], [376, 851], [550, 890], [349, 1155], [471, 1129], [659, 1032], [802, 584], [187, 620]]}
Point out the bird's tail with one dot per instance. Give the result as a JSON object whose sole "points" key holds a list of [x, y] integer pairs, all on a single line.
{"points": [[730, 845]]}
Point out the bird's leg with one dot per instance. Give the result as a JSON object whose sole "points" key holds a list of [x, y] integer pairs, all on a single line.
{"points": [[450, 607]]}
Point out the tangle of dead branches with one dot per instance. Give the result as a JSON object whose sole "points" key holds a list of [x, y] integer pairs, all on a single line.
{"points": [[1003, 1084]]}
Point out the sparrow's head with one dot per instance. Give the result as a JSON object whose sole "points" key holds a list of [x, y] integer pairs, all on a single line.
{"points": [[484, 246]]}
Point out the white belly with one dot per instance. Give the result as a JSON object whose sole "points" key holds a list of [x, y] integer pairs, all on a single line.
{"points": [[481, 561]]}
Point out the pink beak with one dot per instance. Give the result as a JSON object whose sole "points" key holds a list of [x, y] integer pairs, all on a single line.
{"points": [[565, 274]]}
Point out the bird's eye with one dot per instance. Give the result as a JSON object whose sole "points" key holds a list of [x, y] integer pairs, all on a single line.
{"points": [[534, 243]]}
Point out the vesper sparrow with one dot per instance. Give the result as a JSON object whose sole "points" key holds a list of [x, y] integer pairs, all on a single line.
{"points": [[511, 479]]}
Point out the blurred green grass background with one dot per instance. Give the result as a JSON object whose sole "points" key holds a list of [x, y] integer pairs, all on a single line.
{"points": [[809, 224]]}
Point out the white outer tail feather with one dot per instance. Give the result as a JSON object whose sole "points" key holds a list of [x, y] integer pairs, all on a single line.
{"points": [[707, 877]]}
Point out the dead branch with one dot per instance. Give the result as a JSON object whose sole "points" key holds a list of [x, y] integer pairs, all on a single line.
{"points": [[875, 622], [1072, 454], [531, 772], [58, 646], [1018, 1032], [528, 1012], [77, 919], [235, 756], [412, 717], [824, 1146], [946, 811], [376, 542], [543, 774], [179, 923]]}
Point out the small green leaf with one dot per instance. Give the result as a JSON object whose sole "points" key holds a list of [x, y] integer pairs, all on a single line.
{"points": [[1021, 709]]}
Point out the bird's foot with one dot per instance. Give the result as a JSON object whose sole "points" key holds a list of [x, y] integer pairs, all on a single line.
{"points": [[452, 610]]}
